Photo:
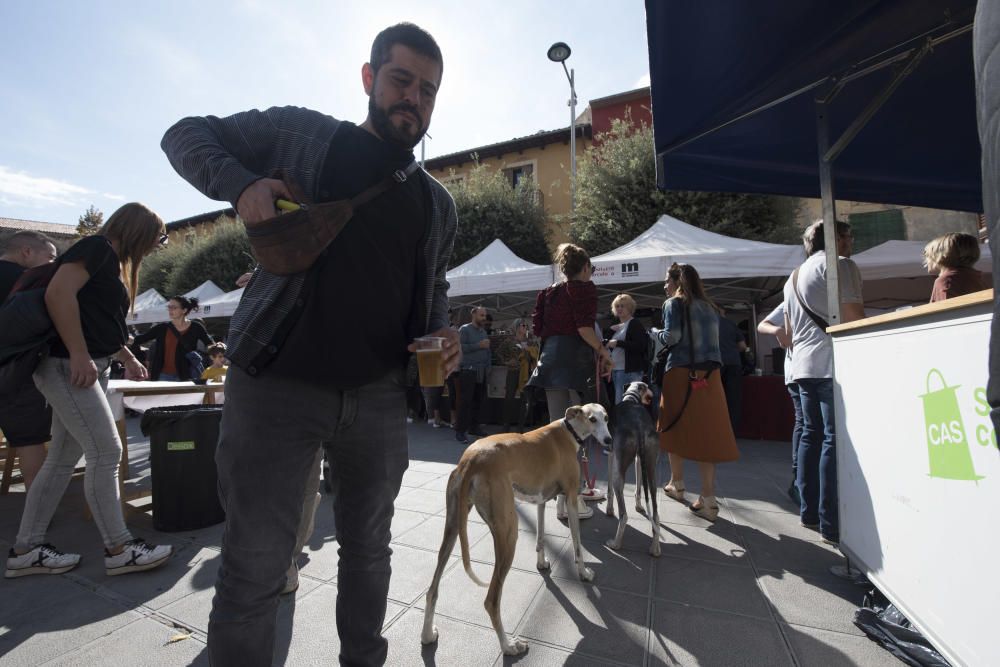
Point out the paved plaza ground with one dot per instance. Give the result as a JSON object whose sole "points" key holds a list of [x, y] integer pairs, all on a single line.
{"points": [[751, 589]]}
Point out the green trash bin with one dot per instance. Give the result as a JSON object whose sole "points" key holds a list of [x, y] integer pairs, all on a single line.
{"points": [[182, 441]]}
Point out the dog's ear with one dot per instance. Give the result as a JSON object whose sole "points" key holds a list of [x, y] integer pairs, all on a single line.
{"points": [[573, 412]]}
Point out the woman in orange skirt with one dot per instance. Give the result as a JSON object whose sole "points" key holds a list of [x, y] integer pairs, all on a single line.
{"points": [[693, 422]]}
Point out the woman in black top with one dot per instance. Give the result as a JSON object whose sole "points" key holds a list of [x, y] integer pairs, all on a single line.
{"points": [[175, 356], [88, 302]]}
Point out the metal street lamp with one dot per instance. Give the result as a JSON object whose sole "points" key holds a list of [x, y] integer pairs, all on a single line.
{"points": [[558, 53]]}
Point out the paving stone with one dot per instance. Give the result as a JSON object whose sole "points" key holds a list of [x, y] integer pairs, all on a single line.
{"points": [[144, 642], [193, 610], [710, 585], [718, 542], [525, 557], [629, 571], [421, 500], [412, 570], [684, 635], [581, 617], [823, 647], [417, 478], [428, 535], [775, 524], [44, 617], [540, 655], [786, 553], [461, 598], [817, 600], [458, 643]]}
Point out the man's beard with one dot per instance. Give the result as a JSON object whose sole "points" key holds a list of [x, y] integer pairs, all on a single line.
{"points": [[389, 132]]}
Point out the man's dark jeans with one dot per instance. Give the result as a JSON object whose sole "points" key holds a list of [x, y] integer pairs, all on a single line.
{"points": [[793, 392], [470, 400], [271, 431], [817, 460]]}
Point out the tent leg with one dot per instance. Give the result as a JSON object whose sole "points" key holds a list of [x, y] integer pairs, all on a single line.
{"points": [[829, 210]]}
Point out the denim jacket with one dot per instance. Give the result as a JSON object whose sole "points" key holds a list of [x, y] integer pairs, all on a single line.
{"points": [[705, 326]]}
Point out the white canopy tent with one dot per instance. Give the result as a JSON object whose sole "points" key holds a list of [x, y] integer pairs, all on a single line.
{"points": [[647, 257], [223, 305], [497, 270], [158, 313], [498, 279], [904, 259], [149, 299]]}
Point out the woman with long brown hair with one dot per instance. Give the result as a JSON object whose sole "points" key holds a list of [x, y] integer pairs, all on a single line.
{"points": [[693, 420], [88, 299]]}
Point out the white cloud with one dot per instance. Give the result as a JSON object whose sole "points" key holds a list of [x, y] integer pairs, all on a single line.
{"points": [[39, 191], [642, 82], [113, 197]]}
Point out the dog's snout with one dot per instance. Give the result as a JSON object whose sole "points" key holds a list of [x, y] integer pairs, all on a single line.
{"points": [[607, 440]]}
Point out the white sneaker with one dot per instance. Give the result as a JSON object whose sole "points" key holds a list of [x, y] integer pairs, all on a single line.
{"points": [[43, 559], [136, 557], [592, 494]]}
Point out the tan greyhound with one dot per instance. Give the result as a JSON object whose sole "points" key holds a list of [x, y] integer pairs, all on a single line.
{"points": [[535, 467]]}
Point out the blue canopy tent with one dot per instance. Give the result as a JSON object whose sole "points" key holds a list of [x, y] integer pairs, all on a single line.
{"points": [[869, 100]]}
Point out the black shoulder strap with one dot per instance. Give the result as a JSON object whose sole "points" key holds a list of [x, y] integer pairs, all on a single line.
{"points": [[817, 320], [390, 181], [691, 373]]}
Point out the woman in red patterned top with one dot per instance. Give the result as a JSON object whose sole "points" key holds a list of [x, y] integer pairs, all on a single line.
{"points": [[564, 319]]}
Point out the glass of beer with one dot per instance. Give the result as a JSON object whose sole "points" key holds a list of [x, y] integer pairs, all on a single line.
{"points": [[429, 361]]}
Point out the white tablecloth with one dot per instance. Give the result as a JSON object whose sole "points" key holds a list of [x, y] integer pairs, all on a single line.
{"points": [[119, 402]]}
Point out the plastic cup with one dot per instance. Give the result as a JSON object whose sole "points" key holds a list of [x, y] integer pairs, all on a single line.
{"points": [[429, 361]]}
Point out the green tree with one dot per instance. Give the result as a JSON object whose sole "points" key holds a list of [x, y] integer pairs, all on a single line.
{"points": [[157, 267], [90, 222], [489, 208], [221, 256], [617, 198]]}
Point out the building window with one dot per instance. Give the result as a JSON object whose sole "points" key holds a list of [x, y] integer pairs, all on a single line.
{"points": [[517, 173], [875, 227]]}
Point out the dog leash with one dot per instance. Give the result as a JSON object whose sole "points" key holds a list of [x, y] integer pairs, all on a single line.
{"points": [[591, 480]]}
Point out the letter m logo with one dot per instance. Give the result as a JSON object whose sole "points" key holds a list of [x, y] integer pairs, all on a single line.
{"points": [[630, 268]]}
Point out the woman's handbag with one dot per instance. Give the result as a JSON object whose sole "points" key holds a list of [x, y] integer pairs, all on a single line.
{"points": [[291, 242]]}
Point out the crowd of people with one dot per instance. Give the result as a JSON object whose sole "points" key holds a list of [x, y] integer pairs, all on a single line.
{"points": [[296, 377]]}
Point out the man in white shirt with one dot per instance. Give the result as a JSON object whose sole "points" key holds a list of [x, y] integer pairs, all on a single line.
{"points": [[806, 315]]}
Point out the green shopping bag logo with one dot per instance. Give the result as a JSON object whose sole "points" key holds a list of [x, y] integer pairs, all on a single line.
{"points": [[947, 444]]}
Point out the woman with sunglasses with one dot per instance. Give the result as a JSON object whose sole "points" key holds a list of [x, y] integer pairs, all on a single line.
{"points": [[693, 420], [175, 355], [88, 298]]}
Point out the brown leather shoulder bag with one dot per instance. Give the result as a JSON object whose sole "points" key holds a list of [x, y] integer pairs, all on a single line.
{"points": [[291, 242]]}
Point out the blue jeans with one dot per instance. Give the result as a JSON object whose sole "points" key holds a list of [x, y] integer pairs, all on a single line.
{"points": [[793, 391], [169, 377], [272, 429], [621, 379], [817, 459]]}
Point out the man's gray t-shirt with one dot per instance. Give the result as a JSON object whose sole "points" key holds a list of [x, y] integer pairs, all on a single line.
{"points": [[777, 318], [813, 349]]}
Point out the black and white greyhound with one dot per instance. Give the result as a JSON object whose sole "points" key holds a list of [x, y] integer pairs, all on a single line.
{"points": [[634, 439]]}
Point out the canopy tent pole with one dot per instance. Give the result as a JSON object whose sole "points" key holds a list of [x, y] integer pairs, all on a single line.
{"points": [[829, 210]]}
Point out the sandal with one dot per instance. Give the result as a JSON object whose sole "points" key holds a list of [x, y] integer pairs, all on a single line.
{"points": [[709, 508], [674, 491]]}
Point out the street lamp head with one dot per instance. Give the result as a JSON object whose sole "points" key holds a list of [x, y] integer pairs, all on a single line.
{"points": [[559, 52]]}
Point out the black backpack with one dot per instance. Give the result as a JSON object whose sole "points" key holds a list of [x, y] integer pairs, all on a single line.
{"points": [[26, 330]]}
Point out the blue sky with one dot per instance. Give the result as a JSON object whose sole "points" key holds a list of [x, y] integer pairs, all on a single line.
{"points": [[88, 88]]}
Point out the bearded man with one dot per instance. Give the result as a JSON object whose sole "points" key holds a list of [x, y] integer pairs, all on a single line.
{"points": [[318, 358]]}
